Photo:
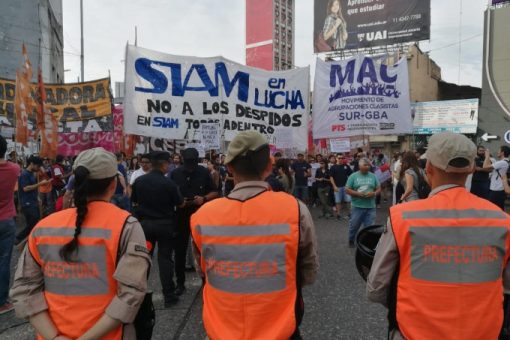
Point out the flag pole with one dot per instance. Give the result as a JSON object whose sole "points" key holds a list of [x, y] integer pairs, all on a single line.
{"points": [[82, 52]]}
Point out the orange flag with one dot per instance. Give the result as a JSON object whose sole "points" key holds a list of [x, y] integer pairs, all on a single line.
{"points": [[23, 99], [47, 123]]}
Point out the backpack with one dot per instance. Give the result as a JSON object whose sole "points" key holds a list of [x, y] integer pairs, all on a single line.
{"points": [[507, 172], [423, 188]]}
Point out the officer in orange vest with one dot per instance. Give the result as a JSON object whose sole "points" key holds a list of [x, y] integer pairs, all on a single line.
{"points": [[447, 255], [83, 273], [255, 248]]}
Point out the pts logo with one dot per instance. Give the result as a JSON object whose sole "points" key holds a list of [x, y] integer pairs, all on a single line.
{"points": [[338, 128]]}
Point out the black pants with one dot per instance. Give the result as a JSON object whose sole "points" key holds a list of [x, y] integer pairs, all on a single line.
{"points": [[181, 246], [480, 189], [32, 216], [163, 233], [498, 198]]}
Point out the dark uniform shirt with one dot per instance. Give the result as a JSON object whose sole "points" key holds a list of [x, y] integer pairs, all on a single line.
{"points": [[156, 196], [480, 176], [195, 183]]}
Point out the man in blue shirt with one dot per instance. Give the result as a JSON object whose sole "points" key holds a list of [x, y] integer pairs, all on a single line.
{"points": [[28, 196], [120, 197], [302, 170]]}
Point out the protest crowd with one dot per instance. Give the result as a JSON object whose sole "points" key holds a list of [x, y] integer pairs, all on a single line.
{"points": [[165, 199], [171, 189]]}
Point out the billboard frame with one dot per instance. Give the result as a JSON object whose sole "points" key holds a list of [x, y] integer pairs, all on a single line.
{"points": [[402, 47]]}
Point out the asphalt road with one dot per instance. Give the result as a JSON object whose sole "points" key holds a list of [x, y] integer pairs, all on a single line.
{"points": [[335, 306]]}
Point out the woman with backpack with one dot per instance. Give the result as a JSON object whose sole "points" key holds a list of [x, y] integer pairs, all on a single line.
{"points": [[412, 177]]}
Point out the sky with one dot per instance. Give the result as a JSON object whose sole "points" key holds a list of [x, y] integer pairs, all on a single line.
{"points": [[206, 28]]}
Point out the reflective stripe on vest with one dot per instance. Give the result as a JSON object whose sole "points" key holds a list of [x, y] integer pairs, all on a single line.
{"points": [[248, 254], [78, 292], [457, 254], [452, 257]]}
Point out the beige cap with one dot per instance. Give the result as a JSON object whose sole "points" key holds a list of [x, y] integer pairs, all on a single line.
{"points": [[99, 162], [242, 143], [446, 146]]}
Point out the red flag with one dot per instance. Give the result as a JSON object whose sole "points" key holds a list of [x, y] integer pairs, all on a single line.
{"points": [[47, 123], [23, 99]]}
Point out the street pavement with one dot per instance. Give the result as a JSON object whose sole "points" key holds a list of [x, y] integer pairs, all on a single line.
{"points": [[335, 306]]}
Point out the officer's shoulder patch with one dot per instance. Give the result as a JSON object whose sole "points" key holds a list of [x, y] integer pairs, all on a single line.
{"points": [[142, 249]]}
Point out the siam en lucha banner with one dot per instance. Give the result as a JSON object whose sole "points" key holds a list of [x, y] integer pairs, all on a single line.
{"points": [[171, 96], [361, 96]]}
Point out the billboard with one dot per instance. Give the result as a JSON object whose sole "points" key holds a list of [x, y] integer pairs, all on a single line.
{"points": [[352, 24], [171, 97], [361, 96], [259, 34], [459, 116]]}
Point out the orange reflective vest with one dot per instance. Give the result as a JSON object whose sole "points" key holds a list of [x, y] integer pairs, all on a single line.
{"points": [[453, 249], [78, 293], [248, 255]]}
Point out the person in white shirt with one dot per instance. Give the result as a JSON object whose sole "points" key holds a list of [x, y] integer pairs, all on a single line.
{"points": [[499, 168], [145, 167], [395, 173]]}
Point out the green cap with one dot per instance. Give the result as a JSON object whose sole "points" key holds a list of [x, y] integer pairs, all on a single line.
{"points": [[99, 162], [244, 142]]}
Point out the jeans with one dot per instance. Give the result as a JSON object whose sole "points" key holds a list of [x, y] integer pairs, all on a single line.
{"points": [[342, 196], [301, 192], [48, 202], [360, 216], [7, 235], [32, 216]]}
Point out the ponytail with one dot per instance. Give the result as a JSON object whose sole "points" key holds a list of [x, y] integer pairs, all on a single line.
{"points": [[80, 201]]}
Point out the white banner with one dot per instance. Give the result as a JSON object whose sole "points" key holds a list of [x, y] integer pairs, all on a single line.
{"points": [[340, 145], [171, 96], [211, 136], [459, 116], [283, 139], [361, 96]]}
